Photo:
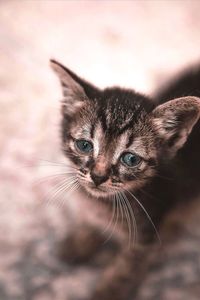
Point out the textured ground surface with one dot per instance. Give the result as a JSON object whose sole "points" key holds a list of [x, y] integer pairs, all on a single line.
{"points": [[134, 43]]}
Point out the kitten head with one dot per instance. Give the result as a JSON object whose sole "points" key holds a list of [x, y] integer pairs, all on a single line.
{"points": [[115, 137]]}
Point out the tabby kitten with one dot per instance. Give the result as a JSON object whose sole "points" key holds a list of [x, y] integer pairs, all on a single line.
{"points": [[122, 148]]}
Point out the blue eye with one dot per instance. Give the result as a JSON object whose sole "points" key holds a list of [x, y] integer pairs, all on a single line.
{"points": [[129, 159], [84, 146]]}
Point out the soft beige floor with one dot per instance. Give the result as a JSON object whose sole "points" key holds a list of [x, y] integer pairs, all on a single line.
{"points": [[131, 43]]}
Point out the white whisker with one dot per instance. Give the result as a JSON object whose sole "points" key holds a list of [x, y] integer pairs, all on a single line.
{"points": [[128, 221], [116, 219], [113, 215], [53, 176], [53, 163], [74, 186], [148, 216], [132, 217], [60, 187]]}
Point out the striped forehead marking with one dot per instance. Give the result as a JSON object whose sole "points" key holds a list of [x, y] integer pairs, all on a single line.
{"points": [[82, 132], [98, 139], [120, 146]]}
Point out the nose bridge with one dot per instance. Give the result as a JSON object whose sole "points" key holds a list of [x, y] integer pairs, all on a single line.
{"points": [[101, 166], [100, 171]]}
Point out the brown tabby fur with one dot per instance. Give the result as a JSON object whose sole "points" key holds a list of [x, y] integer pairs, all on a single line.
{"points": [[117, 121]]}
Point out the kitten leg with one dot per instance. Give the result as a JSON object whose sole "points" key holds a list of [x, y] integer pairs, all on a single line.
{"points": [[121, 278], [81, 245]]}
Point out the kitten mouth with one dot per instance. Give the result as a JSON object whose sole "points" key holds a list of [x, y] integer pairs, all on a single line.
{"points": [[97, 188], [97, 191]]}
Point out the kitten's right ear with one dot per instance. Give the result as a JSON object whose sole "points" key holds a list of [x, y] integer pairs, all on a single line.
{"points": [[75, 90]]}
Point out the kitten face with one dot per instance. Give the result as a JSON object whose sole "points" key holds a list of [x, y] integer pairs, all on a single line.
{"points": [[111, 155], [115, 138]]}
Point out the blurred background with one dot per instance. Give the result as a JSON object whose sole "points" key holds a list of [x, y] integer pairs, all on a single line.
{"points": [[137, 44]]}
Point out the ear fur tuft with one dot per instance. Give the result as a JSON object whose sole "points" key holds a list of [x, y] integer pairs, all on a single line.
{"points": [[173, 121]]}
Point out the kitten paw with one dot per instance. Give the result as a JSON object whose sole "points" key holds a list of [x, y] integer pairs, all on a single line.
{"points": [[80, 246]]}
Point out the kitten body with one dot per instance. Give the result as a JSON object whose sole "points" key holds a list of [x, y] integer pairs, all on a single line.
{"points": [[174, 272], [123, 148]]}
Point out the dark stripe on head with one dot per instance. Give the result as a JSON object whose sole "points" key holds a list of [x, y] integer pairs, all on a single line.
{"points": [[102, 117], [92, 131], [130, 140], [133, 119]]}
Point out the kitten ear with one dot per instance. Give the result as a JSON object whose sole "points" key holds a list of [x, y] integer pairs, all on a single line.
{"points": [[75, 90], [174, 121]]}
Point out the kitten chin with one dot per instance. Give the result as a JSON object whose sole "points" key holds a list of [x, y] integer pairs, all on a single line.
{"points": [[98, 193]]}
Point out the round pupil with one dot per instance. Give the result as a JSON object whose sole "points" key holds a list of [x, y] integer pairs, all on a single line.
{"points": [[130, 159], [84, 146]]}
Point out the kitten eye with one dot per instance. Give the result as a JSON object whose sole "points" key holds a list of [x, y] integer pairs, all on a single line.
{"points": [[130, 159], [84, 146]]}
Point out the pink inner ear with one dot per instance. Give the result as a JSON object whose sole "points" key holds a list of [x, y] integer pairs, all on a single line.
{"points": [[175, 120], [71, 106]]}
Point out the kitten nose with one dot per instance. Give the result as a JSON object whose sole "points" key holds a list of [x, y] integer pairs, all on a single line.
{"points": [[98, 179]]}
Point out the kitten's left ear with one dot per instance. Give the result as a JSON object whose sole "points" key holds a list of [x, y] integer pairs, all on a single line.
{"points": [[75, 89], [173, 121]]}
